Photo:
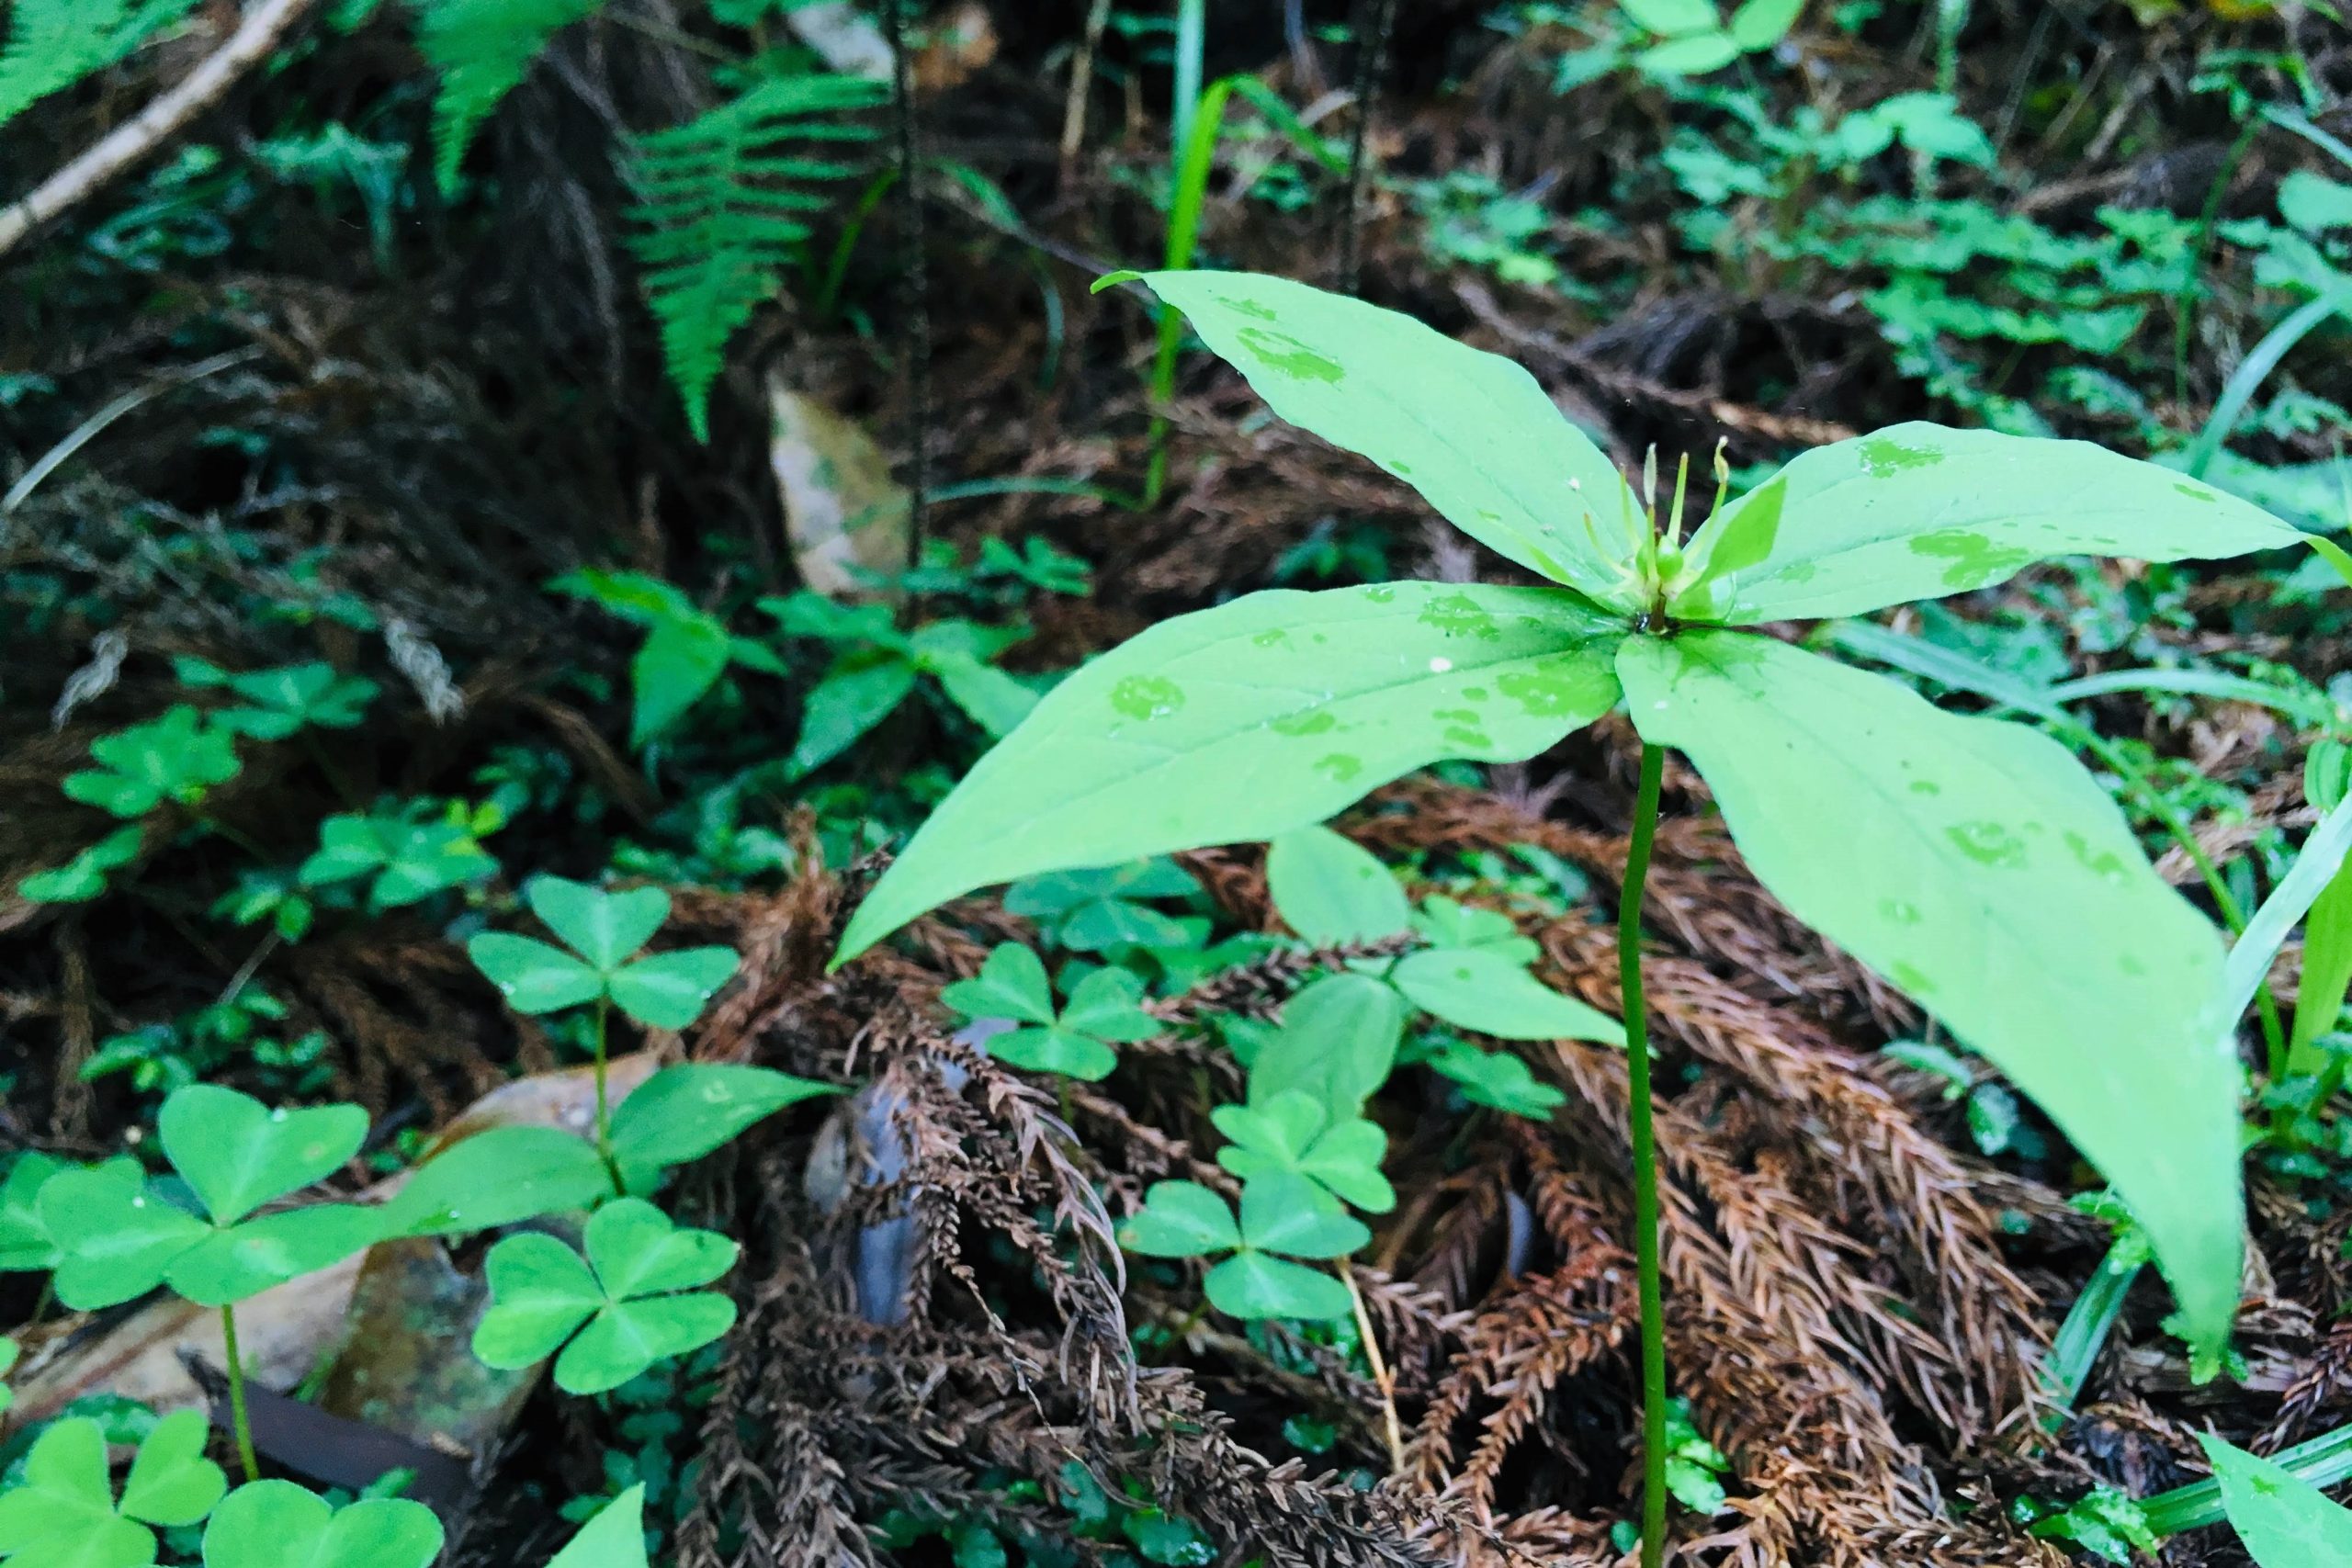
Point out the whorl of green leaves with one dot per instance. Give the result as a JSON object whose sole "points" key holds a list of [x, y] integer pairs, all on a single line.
{"points": [[724, 206], [54, 43]]}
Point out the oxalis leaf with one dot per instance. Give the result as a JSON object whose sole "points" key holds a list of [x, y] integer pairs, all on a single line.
{"points": [[1247, 720], [614, 1538], [276, 1524], [1974, 865], [666, 991], [65, 1513]]}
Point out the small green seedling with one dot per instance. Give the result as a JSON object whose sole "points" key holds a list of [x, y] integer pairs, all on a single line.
{"points": [[1971, 862], [632, 1303], [1293, 1134], [66, 1515], [2284, 1521], [179, 756], [276, 1524], [84, 877], [1495, 1079], [606, 932], [1693, 37], [1094, 911], [687, 649], [614, 1538], [1284, 1216], [409, 857], [284, 700], [877, 667], [1105, 1008]]}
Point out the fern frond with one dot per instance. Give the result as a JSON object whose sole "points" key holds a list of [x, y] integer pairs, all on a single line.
{"points": [[480, 49], [723, 206], [54, 43]]}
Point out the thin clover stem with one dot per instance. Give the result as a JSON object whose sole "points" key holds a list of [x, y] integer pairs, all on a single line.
{"points": [[1642, 1134], [238, 1418], [1383, 1379], [603, 1101]]}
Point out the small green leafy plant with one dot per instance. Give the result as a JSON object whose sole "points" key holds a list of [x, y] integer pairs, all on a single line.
{"points": [[686, 648], [1692, 37], [1971, 862], [1104, 1009], [67, 1515], [265, 1523], [1284, 1217]]}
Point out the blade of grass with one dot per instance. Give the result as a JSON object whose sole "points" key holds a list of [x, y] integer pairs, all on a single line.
{"points": [[2256, 368]]}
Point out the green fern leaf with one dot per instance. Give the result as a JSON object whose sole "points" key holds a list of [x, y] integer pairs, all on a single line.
{"points": [[723, 208], [480, 49], [54, 43]]}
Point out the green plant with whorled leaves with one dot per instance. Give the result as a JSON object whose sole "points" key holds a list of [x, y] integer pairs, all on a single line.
{"points": [[1971, 862]]}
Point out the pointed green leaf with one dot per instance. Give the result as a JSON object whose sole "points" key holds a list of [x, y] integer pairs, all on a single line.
{"points": [[533, 976], [1330, 890], [995, 700], [2318, 994], [1252, 718], [614, 1538], [1692, 56], [1917, 511], [276, 1524], [1477, 989], [1471, 431], [238, 1154], [2316, 868], [603, 928], [1180, 1219], [1284, 1213], [2285, 1522], [1672, 18], [855, 695], [1108, 1005], [680, 661], [1337, 1043], [1974, 864], [682, 1113], [503, 1176], [171, 1481], [1760, 24], [669, 989], [1253, 1285], [1012, 984]]}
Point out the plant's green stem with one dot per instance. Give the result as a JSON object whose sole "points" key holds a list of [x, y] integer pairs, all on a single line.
{"points": [[2085, 1332], [1196, 156], [1643, 1133], [237, 1416], [603, 1101], [1381, 1377]]}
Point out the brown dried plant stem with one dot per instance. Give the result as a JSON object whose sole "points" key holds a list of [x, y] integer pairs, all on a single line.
{"points": [[1643, 1135]]}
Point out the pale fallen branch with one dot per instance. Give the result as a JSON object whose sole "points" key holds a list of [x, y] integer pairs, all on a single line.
{"points": [[263, 29]]}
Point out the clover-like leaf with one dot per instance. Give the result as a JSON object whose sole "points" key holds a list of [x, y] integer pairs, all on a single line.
{"points": [[630, 1303], [667, 990], [1285, 1212], [65, 1514], [25, 1244], [1180, 1219], [288, 699], [84, 877], [1471, 431], [246, 1259], [1092, 911], [1478, 989], [682, 1113], [2285, 1522], [605, 927], [1108, 1005], [1291, 1132], [1256, 1284], [410, 859], [533, 976], [1448, 923], [1330, 890], [614, 1537], [276, 1524], [237, 1154], [1056, 1050], [1498, 1080], [1247, 720], [1918, 511], [179, 756], [117, 1235], [1978, 866], [1012, 984]]}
